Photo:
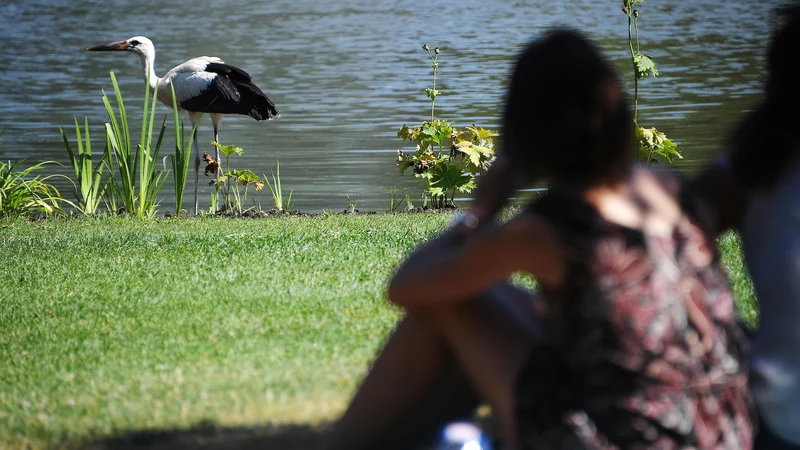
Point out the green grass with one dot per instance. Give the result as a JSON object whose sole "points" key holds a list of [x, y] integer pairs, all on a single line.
{"points": [[731, 248], [109, 325]]}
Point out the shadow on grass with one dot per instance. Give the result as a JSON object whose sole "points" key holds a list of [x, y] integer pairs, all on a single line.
{"points": [[208, 436]]}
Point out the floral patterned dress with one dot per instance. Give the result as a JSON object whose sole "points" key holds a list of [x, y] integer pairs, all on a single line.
{"points": [[646, 351]]}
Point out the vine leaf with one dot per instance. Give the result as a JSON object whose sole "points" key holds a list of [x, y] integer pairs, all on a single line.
{"points": [[437, 131], [448, 176], [428, 159], [645, 65], [404, 161], [482, 134], [432, 93], [425, 162], [243, 176], [228, 150], [408, 134], [477, 155], [654, 142], [468, 186], [430, 130]]}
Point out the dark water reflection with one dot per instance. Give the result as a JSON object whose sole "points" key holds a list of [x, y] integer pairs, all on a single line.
{"points": [[347, 74]]}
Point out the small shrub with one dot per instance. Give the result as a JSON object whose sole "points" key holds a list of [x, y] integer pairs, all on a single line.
{"points": [[446, 157], [22, 193], [233, 182]]}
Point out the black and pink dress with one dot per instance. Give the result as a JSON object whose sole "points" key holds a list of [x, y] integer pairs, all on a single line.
{"points": [[646, 351]]}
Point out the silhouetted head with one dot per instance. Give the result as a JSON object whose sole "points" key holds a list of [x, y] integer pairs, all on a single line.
{"points": [[782, 63], [566, 118], [767, 141]]}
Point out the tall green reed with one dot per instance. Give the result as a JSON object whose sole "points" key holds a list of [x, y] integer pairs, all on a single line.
{"points": [[89, 190], [277, 191], [183, 152], [141, 164]]}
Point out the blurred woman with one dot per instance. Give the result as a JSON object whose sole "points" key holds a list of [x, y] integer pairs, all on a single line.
{"points": [[635, 344], [756, 190]]}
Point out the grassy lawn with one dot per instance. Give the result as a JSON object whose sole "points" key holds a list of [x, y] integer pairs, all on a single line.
{"points": [[114, 325]]}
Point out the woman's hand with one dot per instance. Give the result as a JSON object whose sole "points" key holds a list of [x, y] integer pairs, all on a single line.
{"points": [[494, 188]]}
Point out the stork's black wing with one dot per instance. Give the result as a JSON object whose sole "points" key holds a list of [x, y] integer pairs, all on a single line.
{"points": [[232, 91]]}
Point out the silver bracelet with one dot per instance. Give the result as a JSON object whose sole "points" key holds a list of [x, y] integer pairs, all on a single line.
{"points": [[467, 219]]}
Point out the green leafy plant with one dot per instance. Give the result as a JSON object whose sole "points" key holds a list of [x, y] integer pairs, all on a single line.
{"points": [[22, 193], [651, 142], [471, 152], [277, 191], [89, 190], [447, 158], [235, 182], [141, 202]]}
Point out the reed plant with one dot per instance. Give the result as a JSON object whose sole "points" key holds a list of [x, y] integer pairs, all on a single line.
{"points": [[141, 202], [89, 189], [277, 191], [183, 152]]}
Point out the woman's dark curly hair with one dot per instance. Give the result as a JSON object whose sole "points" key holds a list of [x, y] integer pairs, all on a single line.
{"points": [[767, 140], [566, 119]]}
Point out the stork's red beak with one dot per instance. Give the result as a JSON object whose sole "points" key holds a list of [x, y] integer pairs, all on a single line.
{"points": [[110, 47]]}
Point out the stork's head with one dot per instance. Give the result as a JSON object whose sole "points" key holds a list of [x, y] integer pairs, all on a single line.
{"points": [[136, 44]]}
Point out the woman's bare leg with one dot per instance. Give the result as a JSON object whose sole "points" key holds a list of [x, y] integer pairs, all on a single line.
{"points": [[489, 338], [413, 376]]}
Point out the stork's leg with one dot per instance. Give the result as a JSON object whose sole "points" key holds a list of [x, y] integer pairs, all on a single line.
{"points": [[195, 117], [215, 120], [196, 173]]}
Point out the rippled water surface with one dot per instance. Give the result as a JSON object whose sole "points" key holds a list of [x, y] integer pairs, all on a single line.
{"points": [[347, 74]]}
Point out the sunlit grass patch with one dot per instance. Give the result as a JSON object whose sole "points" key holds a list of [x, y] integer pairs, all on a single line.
{"points": [[111, 325]]}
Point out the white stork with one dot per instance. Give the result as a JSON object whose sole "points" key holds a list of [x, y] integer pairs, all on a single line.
{"points": [[202, 85]]}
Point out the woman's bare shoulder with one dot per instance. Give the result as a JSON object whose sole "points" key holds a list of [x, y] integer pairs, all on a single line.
{"points": [[540, 245], [666, 179]]}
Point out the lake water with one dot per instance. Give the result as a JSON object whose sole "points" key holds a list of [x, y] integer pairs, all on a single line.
{"points": [[347, 74]]}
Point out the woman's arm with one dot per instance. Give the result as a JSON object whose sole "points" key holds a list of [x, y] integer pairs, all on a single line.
{"points": [[443, 270]]}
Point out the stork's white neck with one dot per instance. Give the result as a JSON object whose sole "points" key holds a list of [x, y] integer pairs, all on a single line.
{"points": [[148, 57]]}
